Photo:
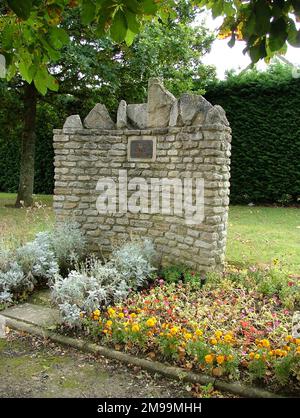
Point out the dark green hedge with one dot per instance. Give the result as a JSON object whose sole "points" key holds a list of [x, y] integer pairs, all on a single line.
{"points": [[265, 121]]}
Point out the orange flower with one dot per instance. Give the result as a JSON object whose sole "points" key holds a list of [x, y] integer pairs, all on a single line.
{"points": [[220, 359], [265, 343], [209, 358]]}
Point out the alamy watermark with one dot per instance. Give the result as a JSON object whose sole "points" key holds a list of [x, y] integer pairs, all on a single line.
{"points": [[174, 197]]}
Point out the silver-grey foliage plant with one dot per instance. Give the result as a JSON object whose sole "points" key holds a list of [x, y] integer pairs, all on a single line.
{"points": [[96, 285], [39, 260], [93, 285]]}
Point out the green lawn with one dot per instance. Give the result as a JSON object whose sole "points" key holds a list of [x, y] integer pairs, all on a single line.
{"points": [[20, 225], [261, 234], [256, 235]]}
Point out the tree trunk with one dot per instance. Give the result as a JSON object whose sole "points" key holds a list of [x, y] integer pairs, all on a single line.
{"points": [[26, 180]]}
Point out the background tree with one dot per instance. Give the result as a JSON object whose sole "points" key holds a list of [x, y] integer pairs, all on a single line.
{"points": [[31, 41], [91, 70]]}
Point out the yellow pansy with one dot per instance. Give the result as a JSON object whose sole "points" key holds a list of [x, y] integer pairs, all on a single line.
{"points": [[111, 312], [135, 328], [174, 330], [265, 343], [228, 338], [151, 322], [218, 334]]}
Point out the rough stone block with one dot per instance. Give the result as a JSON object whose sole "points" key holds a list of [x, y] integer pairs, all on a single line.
{"points": [[160, 102], [73, 122], [99, 118]]}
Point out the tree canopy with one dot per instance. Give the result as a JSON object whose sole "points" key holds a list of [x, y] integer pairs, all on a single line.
{"points": [[32, 36], [267, 26]]}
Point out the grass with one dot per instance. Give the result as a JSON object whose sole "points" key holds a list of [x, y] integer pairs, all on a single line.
{"points": [[260, 235], [256, 235], [20, 225]]}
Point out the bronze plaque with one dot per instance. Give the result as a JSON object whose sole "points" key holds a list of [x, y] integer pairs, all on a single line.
{"points": [[141, 149]]}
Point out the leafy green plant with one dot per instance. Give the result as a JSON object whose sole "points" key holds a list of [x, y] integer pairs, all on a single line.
{"points": [[174, 274], [283, 368], [257, 368]]}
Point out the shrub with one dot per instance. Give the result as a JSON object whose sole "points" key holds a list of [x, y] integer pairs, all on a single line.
{"points": [[174, 274], [68, 244], [36, 258], [85, 290], [14, 282], [134, 262], [95, 285], [262, 108], [39, 261]]}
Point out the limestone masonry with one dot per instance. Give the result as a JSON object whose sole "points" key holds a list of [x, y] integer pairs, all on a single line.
{"points": [[166, 138]]}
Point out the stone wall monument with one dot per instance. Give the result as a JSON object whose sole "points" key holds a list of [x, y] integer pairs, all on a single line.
{"points": [[161, 171]]}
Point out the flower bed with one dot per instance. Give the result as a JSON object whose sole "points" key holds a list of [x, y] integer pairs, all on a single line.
{"points": [[227, 328]]}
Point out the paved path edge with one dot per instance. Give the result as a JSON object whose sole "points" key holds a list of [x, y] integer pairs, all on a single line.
{"points": [[172, 372]]}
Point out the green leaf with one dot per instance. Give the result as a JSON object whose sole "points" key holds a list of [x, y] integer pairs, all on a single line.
{"points": [[132, 22], [7, 37], [24, 68], [88, 11], [278, 34], [52, 83], [231, 43], [58, 37], [149, 7], [133, 5], [41, 80], [22, 8], [258, 51], [11, 71], [294, 38], [118, 28], [263, 15], [217, 8], [129, 38]]}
